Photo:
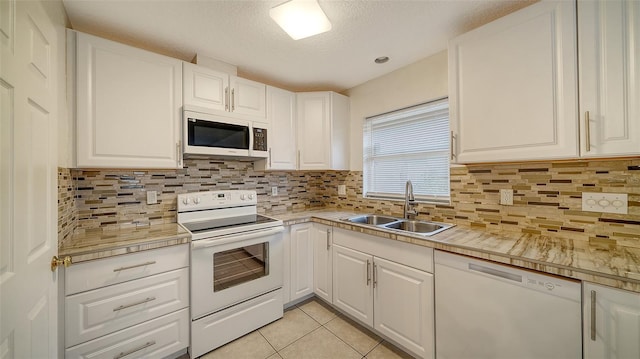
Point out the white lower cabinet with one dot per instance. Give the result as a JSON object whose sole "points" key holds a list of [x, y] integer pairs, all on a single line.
{"points": [[137, 306], [300, 261], [352, 288], [322, 258], [403, 307], [394, 299], [611, 322], [157, 338]]}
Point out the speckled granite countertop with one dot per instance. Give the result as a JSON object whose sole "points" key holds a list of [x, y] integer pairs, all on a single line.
{"points": [[615, 266], [103, 244]]}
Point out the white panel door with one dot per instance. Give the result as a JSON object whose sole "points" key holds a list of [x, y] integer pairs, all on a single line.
{"points": [[128, 106], [352, 284], [248, 97], [314, 130], [609, 64], [301, 260], [204, 87], [513, 88], [611, 322], [403, 306], [322, 262], [29, 78], [282, 136]]}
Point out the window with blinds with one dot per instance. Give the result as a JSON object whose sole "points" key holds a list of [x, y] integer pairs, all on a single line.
{"points": [[408, 144]]}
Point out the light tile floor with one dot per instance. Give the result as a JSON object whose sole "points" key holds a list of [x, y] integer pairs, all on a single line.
{"points": [[310, 329]]}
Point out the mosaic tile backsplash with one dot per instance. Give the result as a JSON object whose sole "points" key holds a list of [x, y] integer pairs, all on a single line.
{"points": [[547, 196]]}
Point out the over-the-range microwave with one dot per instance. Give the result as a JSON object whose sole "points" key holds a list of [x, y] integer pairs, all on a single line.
{"points": [[218, 136]]}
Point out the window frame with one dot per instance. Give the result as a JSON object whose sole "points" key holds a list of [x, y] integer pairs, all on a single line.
{"points": [[438, 154]]}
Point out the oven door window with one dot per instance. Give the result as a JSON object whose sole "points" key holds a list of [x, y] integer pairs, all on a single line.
{"points": [[217, 134], [240, 265]]}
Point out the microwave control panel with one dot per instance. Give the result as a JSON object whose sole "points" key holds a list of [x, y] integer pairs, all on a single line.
{"points": [[260, 139]]}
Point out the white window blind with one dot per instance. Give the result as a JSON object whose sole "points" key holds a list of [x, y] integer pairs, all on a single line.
{"points": [[408, 144]]}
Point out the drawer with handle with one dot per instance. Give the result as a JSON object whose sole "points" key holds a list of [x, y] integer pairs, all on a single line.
{"points": [[91, 314], [103, 272], [157, 338]]}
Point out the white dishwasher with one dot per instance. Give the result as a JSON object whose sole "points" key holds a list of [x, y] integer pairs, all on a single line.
{"points": [[488, 310]]}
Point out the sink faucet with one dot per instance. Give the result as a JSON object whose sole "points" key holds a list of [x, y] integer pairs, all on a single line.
{"points": [[409, 202]]}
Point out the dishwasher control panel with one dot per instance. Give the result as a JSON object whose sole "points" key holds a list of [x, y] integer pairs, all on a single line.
{"points": [[553, 285]]}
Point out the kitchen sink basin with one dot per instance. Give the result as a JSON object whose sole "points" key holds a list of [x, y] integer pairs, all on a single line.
{"points": [[424, 228], [372, 219], [418, 227]]}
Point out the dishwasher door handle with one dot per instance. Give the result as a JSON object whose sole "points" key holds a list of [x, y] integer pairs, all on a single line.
{"points": [[495, 272]]}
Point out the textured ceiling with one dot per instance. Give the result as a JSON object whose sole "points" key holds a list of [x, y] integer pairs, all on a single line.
{"points": [[242, 33]]}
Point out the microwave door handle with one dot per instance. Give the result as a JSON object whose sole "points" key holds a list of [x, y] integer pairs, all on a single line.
{"points": [[251, 139], [235, 238]]}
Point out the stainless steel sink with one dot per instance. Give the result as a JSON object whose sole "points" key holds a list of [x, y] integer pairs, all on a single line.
{"points": [[424, 228], [372, 219], [419, 227]]}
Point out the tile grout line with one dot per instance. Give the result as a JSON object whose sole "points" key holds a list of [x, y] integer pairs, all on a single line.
{"points": [[286, 346], [268, 342]]}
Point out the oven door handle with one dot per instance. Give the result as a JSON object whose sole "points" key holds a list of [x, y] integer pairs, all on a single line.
{"points": [[217, 241]]}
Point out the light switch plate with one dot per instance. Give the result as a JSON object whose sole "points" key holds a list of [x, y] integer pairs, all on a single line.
{"points": [[342, 190], [506, 197], [605, 202], [152, 197]]}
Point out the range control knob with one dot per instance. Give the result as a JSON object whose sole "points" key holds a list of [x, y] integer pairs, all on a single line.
{"points": [[186, 200], [196, 200], [251, 196], [243, 197]]}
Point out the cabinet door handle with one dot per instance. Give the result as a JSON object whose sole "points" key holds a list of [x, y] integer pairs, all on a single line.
{"points": [[178, 154], [233, 100], [328, 239], [145, 300], [134, 266], [143, 346], [375, 275], [587, 131], [593, 315], [269, 157], [299, 162], [226, 98], [452, 146], [368, 272]]}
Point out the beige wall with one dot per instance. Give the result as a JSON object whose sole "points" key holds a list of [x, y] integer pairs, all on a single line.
{"points": [[413, 84]]}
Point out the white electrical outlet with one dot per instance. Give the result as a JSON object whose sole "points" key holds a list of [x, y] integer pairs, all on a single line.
{"points": [[506, 197], [274, 191], [342, 190], [605, 202], [152, 197]]}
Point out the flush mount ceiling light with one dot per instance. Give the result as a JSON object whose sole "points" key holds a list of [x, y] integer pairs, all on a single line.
{"points": [[300, 18]]}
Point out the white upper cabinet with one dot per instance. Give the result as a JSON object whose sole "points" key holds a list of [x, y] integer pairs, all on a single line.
{"points": [[128, 104], [513, 87], [205, 88], [248, 97], [208, 90], [609, 70], [281, 115], [323, 131]]}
